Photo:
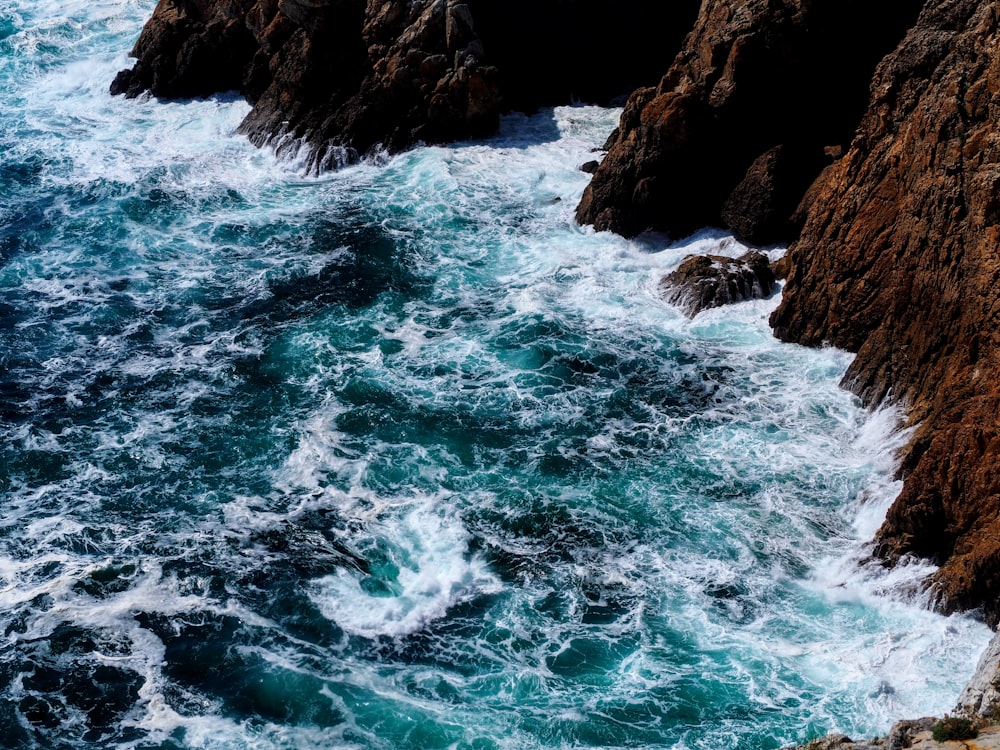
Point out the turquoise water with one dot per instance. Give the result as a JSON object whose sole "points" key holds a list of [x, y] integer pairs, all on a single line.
{"points": [[401, 457]]}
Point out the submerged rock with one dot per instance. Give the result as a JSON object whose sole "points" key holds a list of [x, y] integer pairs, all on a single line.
{"points": [[704, 281]]}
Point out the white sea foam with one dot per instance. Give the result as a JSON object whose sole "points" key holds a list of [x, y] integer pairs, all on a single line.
{"points": [[681, 558], [428, 570]]}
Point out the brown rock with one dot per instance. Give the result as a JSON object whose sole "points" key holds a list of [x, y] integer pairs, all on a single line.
{"points": [[345, 76], [761, 208], [904, 733], [831, 742], [916, 734], [190, 50], [781, 267], [752, 75], [898, 261], [389, 74], [704, 281]]}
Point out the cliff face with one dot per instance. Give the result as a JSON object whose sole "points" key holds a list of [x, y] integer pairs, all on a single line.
{"points": [[736, 130], [899, 262], [346, 75]]}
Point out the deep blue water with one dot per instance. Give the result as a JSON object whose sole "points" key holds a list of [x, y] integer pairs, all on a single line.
{"points": [[401, 457]]}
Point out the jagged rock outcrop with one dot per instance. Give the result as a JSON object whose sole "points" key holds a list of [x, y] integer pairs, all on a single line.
{"points": [[338, 74], [189, 49], [737, 127], [899, 262], [917, 734], [701, 282], [344, 76], [981, 696]]}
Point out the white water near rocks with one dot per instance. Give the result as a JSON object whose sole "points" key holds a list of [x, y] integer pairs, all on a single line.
{"points": [[401, 457]]}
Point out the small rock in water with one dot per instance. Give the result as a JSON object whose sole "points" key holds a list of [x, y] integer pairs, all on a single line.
{"points": [[704, 281]]}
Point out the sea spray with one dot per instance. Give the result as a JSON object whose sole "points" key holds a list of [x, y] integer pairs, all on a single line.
{"points": [[400, 456]]}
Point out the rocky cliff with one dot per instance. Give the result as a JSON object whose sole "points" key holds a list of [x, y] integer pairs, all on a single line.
{"points": [[744, 119], [873, 133], [344, 76], [899, 261]]}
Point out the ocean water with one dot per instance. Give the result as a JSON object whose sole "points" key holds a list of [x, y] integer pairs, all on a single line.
{"points": [[401, 457]]}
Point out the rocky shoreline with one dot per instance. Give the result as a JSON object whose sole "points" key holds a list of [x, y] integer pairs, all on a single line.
{"points": [[975, 724], [867, 141], [898, 262], [344, 77]]}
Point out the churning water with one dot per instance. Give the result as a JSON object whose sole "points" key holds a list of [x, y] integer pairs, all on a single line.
{"points": [[401, 457]]}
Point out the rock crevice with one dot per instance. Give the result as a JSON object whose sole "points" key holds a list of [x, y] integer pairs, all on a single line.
{"points": [[741, 123]]}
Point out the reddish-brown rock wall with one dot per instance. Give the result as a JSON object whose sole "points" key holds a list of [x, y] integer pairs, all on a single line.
{"points": [[899, 260], [752, 76]]}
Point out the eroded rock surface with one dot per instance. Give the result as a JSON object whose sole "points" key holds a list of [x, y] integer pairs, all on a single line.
{"points": [[705, 281], [753, 76], [913, 735], [345, 76], [981, 696], [899, 262]]}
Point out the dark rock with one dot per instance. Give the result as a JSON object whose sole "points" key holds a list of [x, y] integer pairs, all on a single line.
{"points": [[590, 166], [311, 552], [781, 267], [761, 208], [898, 262], [190, 50], [343, 77], [704, 281], [611, 140], [751, 76]]}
